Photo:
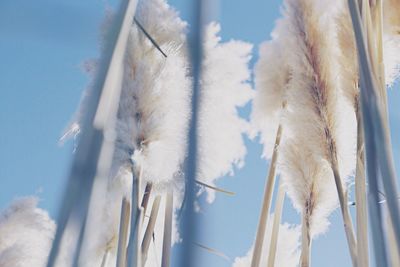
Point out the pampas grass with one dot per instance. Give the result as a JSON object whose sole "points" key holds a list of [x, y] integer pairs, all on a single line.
{"points": [[318, 148], [153, 84], [272, 76], [148, 131]]}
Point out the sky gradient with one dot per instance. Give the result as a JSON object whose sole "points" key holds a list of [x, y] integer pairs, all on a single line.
{"points": [[42, 46]]}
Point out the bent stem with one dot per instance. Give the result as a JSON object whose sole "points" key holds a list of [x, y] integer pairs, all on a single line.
{"points": [[269, 186]]}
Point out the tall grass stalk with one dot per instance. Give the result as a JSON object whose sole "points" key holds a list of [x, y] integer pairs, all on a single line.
{"points": [[166, 251], [305, 240], [275, 227], [123, 232], [268, 191], [393, 248], [150, 229], [145, 199], [348, 224], [134, 257], [106, 256]]}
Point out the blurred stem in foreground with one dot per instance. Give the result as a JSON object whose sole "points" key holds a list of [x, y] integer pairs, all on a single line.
{"points": [[92, 157], [361, 194], [377, 144]]}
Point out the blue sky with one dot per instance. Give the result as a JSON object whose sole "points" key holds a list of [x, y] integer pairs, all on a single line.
{"points": [[42, 46]]}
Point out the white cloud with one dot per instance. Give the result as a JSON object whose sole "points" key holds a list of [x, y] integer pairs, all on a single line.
{"points": [[288, 247], [225, 87], [26, 234]]}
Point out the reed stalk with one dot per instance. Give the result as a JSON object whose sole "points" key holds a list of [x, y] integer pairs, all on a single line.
{"points": [[145, 199], [134, 257], [123, 232], [305, 240], [393, 248], [106, 256], [269, 187], [275, 227], [361, 196], [150, 229], [166, 252], [344, 208]]}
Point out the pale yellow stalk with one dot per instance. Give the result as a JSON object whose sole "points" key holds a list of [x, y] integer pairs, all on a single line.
{"points": [[134, 258], [145, 198], [166, 252], [305, 240], [150, 229], [393, 248], [275, 228], [268, 191], [106, 256], [123, 232]]}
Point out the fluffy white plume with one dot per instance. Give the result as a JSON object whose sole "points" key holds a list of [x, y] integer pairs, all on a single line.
{"points": [[153, 116], [155, 98], [348, 58], [26, 234], [391, 40], [288, 247], [155, 101], [348, 52], [271, 76], [225, 87], [151, 121], [319, 125]]}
